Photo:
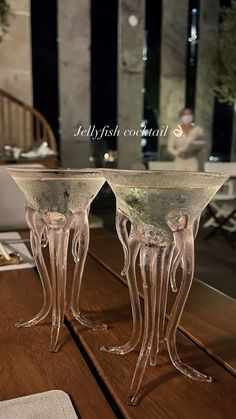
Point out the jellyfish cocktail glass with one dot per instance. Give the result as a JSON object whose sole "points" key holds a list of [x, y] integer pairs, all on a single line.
{"points": [[58, 201], [164, 210]]}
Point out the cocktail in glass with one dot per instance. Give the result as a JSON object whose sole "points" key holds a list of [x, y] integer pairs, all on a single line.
{"points": [[164, 209], [58, 201]]}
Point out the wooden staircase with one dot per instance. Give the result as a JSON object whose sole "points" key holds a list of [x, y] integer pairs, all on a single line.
{"points": [[22, 126]]}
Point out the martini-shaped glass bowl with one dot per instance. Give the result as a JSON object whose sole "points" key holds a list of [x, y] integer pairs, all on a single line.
{"points": [[58, 201], [164, 209]]}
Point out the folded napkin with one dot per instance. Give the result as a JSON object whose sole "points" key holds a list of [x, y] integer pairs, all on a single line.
{"points": [[53, 404], [27, 260]]}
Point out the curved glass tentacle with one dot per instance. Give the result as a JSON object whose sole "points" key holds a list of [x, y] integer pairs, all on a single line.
{"points": [[178, 253], [147, 260], [196, 227], [164, 294], [58, 247], [121, 228], [163, 276], [38, 238], [187, 239], [134, 246], [158, 270], [80, 245]]}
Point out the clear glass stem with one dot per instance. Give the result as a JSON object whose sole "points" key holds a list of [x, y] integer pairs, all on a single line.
{"points": [[37, 240], [196, 227], [164, 293], [134, 247], [187, 239], [80, 249], [147, 260], [58, 248], [121, 228], [156, 267], [162, 281], [52, 229], [178, 252]]}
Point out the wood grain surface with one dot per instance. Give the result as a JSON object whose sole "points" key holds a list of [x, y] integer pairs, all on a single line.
{"points": [[165, 392], [209, 316], [26, 365], [85, 372]]}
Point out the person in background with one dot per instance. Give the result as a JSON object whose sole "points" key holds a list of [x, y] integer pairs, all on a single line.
{"points": [[149, 143], [185, 142]]}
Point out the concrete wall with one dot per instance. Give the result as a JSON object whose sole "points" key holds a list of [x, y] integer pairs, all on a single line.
{"points": [[204, 106], [15, 53], [173, 63], [130, 80], [74, 79]]}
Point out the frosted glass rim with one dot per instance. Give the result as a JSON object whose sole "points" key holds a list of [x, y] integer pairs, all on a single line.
{"points": [[164, 172]]}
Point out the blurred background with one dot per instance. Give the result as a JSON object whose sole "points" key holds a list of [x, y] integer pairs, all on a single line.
{"points": [[75, 75]]}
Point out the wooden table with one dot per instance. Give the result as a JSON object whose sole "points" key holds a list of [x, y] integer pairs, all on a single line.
{"points": [[49, 162], [98, 382]]}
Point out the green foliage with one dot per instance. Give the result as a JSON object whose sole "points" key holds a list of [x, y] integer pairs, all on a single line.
{"points": [[4, 16], [224, 58]]}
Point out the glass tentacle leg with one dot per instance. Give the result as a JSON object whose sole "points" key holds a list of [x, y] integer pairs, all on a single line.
{"points": [[37, 240], [122, 233], [147, 260], [158, 267], [164, 294], [134, 246], [58, 248], [162, 278], [178, 253], [196, 227], [80, 249], [187, 238]]}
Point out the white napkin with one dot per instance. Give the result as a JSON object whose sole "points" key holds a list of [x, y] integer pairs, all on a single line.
{"points": [[54, 404], [27, 260]]}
